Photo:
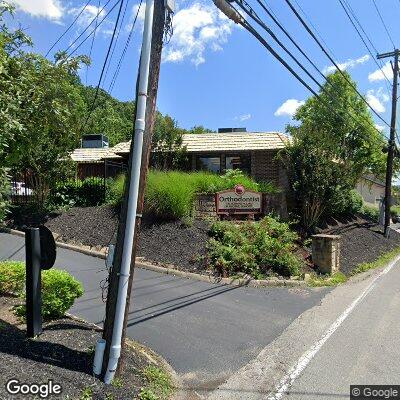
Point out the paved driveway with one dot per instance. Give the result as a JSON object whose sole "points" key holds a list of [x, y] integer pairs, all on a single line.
{"points": [[205, 331]]}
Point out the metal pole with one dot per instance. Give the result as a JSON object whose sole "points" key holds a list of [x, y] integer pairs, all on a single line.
{"points": [[33, 283], [115, 349], [392, 142]]}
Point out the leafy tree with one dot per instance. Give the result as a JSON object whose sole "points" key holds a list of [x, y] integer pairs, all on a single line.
{"points": [[199, 129], [41, 109], [331, 150]]}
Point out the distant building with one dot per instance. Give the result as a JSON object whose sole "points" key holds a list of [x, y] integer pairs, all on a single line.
{"points": [[371, 189]]}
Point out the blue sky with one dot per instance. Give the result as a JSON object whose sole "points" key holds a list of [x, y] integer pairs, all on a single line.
{"points": [[214, 73]]}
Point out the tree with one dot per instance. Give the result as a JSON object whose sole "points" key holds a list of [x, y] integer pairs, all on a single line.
{"points": [[331, 150], [41, 109]]}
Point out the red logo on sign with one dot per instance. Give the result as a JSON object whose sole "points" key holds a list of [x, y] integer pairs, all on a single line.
{"points": [[239, 189]]}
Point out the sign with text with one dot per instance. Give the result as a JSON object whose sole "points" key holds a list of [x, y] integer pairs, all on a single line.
{"points": [[238, 201]]}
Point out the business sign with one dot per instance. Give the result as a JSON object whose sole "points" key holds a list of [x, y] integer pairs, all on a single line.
{"points": [[238, 201]]}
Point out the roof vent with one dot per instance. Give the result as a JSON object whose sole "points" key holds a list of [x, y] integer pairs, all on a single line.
{"points": [[94, 141], [231, 130]]}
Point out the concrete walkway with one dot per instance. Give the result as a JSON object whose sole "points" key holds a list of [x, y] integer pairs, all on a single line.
{"points": [[205, 331]]}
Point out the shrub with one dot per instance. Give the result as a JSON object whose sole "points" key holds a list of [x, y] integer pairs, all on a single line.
{"points": [[5, 190], [82, 193], [370, 212], [170, 194], [258, 249], [395, 211], [59, 288], [12, 277], [115, 190]]}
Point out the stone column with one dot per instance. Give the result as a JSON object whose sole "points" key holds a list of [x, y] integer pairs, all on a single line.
{"points": [[326, 252]]}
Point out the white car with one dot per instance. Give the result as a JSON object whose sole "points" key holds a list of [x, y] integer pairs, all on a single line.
{"points": [[20, 189]]}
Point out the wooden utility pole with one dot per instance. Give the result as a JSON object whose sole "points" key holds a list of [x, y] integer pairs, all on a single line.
{"points": [[392, 139], [155, 61]]}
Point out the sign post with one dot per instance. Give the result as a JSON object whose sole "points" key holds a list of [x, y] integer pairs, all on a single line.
{"points": [[238, 201], [40, 254]]}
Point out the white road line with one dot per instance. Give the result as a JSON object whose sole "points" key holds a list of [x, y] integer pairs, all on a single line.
{"points": [[287, 381]]}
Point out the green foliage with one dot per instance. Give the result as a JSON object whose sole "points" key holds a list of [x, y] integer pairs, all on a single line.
{"points": [[395, 211], [159, 384], [170, 194], [115, 190], [370, 212], [12, 277], [4, 193], [379, 262], [325, 280], [75, 192], [330, 151], [59, 288], [259, 249]]}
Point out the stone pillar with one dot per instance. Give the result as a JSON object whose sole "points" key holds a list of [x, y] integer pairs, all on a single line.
{"points": [[326, 252]]}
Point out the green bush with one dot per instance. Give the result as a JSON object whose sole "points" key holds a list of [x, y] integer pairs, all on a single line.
{"points": [[258, 249], [81, 193], [115, 190], [12, 277], [5, 190], [170, 194], [353, 203], [370, 212], [59, 288], [395, 211]]}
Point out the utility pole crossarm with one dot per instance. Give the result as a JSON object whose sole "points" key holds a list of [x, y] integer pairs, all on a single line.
{"points": [[392, 141]]}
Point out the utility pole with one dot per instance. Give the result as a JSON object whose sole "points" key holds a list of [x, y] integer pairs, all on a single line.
{"points": [[392, 140], [157, 33]]}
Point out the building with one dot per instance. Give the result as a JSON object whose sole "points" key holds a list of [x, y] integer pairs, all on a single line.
{"points": [[255, 153], [371, 189]]}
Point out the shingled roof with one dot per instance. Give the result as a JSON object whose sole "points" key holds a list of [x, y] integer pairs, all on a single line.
{"points": [[224, 142], [93, 155]]}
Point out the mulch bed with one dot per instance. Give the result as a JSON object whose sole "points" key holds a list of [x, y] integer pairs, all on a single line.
{"points": [[361, 242], [64, 354], [163, 243], [181, 245]]}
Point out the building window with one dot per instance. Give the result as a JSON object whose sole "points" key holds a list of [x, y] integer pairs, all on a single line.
{"points": [[212, 164], [241, 162]]}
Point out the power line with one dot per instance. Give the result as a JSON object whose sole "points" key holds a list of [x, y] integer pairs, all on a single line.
{"points": [[93, 39], [275, 19], [252, 14], [349, 9], [116, 41], [311, 33], [116, 73], [90, 23], [383, 23], [69, 27], [121, 3]]}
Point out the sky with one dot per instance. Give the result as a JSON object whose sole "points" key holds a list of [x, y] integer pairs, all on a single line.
{"points": [[214, 73]]}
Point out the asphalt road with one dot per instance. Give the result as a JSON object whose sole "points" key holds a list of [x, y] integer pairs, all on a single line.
{"points": [[364, 350], [205, 331]]}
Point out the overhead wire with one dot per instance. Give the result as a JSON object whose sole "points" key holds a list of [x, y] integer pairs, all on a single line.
{"points": [[121, 59], [311, 33], [384, 24], [349, 9], [93, 39], [68, 28], [121, 3], [88, 26], [273, 16]]}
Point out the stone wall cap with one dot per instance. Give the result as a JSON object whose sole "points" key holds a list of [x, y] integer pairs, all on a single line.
{"points": [[326, 236]]}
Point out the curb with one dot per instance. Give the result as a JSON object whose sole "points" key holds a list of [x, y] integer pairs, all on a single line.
{"points": [[141, 263]]}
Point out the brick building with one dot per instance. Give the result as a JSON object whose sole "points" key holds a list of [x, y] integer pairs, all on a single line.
{"points": [[253, 153]]}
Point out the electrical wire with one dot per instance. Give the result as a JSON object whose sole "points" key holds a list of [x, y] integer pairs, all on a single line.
{"points": [[349, 9], [93, 39], [121, 59], [252, 14], [121, 3], [311, 33], [383, 23], [69, 27], [116, 41], [277, 22], [90, 23]]}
